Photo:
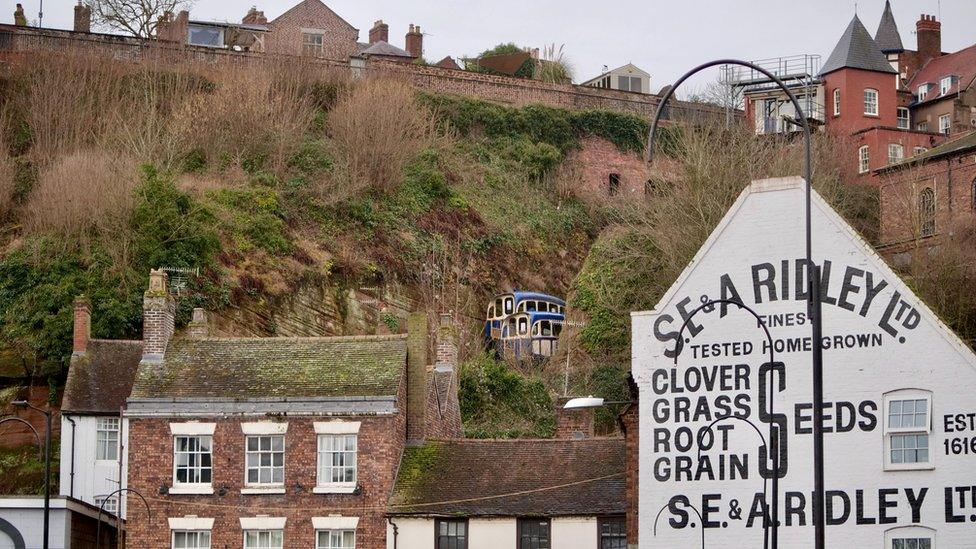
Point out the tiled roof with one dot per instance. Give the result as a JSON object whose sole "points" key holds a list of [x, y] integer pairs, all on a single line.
{"points": [[385, 48], [857, 50], [961, 64], [236, 368], [100, 381], [888, 38], [512, 478]]}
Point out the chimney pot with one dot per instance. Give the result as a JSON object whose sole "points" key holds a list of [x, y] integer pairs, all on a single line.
{"points": [[198, 327], [415, 42], [82, 22], [158, 317], [82, 326]]}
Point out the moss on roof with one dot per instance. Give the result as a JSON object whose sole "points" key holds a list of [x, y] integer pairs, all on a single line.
{"points": [[275, 367]]}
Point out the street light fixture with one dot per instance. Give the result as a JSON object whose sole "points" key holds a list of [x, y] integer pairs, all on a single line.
{"points": [[580, 403], [813, 282], [47, 465]]}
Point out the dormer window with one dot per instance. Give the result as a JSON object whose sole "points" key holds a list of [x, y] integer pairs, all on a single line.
{"points": [[923, 90], [871, 102], [945, 85]]}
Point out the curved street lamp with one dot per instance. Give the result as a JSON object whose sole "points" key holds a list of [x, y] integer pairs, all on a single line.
{"points": [[813, 281], [47, 461]]}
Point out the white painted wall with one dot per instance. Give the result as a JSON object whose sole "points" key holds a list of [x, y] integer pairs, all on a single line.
{"points": [[574, 533], [26, 515], [766, 226], [495, 533], [93, 478]]}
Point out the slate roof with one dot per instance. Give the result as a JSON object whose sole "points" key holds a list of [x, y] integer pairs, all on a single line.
{"points": [[100, 381], [385, 48], [275, 367], [888, 38], [857, 50], [538, 477], [961, 64]]}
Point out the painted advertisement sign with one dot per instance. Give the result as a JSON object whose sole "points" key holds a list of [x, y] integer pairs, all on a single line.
{"points": [[719, 397]]}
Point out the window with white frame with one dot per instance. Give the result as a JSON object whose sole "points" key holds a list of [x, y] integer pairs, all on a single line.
{"points": [[836, 101], [192, 459], [945, 85], [871, 102], [863, 159], [907, 429], [904, 118], [191, 539], [918, 150], [945, 123], [922, 126], [335, 539], [896, 153], [911, 543], [264, 539], [923, 91], [337, 459], [107, 438], [265, 460], [109, 505]]}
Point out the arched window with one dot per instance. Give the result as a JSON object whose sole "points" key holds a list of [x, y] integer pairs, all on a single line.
{"points": [[863, 159], [870, 102], [926, 211], [836, 101]]}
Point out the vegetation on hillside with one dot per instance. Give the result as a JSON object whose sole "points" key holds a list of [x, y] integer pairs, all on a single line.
{"points": [[270, 178]]}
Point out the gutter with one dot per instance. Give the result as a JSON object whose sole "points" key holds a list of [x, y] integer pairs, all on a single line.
{"points": [[71, 489], [396, 531]]}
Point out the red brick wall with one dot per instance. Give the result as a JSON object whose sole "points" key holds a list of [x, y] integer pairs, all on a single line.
{"points": [[285, 37], [952, 180], [151, 468], [14, 434], [852, 83], [597, 158], [877, 141]]}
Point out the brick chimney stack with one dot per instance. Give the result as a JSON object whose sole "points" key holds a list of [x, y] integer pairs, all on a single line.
{"points": [[447, 345], [573, 424], [254, 17], [198, 327], [379, 33], [415, 41], [158, 317], [82, 18], [82, 326], [416, 377], [929, 32]]}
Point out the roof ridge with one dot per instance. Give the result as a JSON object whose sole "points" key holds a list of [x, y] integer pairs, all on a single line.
{"points": [[522, 440], [106, 340]]}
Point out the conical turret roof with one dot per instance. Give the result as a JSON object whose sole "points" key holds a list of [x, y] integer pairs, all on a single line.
{"points": [[857, 50], [887, 37]]}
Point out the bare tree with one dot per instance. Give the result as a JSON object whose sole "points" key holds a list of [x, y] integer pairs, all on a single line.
{"points": [[135, 17]]}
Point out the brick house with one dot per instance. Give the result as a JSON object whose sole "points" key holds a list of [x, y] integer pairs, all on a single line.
{"points": [[275, 442], [927, 197], [312, 28]]}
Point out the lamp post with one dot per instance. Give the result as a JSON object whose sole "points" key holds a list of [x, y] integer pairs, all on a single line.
{"points": [[47, 465], [813, 279]]}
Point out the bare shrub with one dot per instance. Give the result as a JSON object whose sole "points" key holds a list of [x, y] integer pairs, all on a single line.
{"points": [[944, 274], [86, 193], [8, 175], [248, 114], [376, 130]]}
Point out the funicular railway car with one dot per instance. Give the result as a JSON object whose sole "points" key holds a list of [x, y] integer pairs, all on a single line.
{"points": [[530, 336], [508, 304]]}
